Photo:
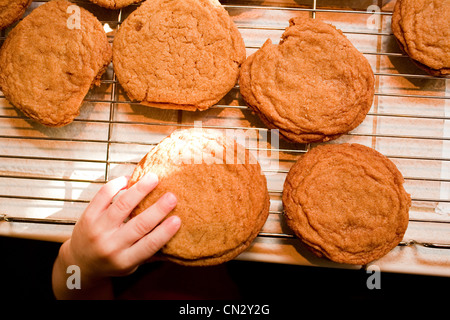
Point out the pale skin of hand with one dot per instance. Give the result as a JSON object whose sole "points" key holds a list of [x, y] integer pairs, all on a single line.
{"points": [[102, 245]]}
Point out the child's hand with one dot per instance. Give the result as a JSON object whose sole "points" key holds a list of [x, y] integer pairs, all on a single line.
{"points": [[103, 245]]}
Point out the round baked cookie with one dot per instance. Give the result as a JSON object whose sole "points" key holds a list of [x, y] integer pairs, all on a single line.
{"points": [[11, 11], [314, 86], [422, 30], [346, 202], [178, 54], [50, 60], [114, 4], [223, 200]]}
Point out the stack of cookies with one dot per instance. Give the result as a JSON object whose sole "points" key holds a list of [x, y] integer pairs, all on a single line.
{"points": [[223, 200], [422, 30]]}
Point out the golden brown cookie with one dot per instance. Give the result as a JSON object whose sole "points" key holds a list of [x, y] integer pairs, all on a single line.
{"points": [[179, 54], [50, 60], [314, 86], [346, 202], [114, 4], [223, 200], [11, 11], [422, 30]]}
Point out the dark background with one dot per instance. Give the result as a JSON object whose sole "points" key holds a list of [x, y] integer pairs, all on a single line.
{"points": [[26, 266]]}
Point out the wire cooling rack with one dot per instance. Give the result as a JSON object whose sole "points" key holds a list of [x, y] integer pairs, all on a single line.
{"points": [[49, 175]]}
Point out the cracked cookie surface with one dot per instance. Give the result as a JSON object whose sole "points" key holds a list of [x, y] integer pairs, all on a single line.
{"points": [[47, 68], [223, 200], [180, 54], [422, 29], [11, 11], [314, 86], [346, 202]]}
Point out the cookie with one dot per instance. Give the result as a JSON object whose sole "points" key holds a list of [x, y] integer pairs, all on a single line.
{"points": [[313, 86], [422, 30], [178, 54], [114, 4], [346, 202], [223, 200], [50, 60], [11, 11]]}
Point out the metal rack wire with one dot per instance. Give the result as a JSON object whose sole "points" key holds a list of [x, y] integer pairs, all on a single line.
{"points": [[429, 191]]}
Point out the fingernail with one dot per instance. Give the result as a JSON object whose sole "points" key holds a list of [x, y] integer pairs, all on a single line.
{"points": [[150, 177], [175, 221], [170, 198]]}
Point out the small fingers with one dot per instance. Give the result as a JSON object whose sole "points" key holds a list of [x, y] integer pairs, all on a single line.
{"points": [[127, 247], [126, 202], [102, 199], [146, 221], [146, 247]]}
